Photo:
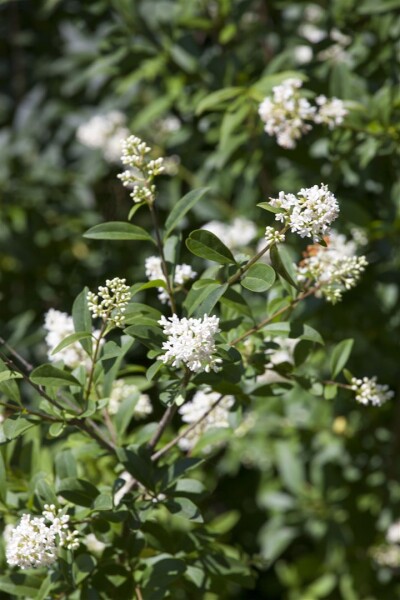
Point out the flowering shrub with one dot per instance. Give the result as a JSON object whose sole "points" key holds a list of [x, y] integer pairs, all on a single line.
{"points": [[201, 365], [207, 418]]}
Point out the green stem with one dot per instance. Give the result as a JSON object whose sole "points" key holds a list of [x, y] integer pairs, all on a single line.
{"points": [[242, 270], [279, 312], [162, 257]]}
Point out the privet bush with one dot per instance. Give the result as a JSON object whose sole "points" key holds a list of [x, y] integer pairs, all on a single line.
{"points": [[204, 424], [214, 347]]}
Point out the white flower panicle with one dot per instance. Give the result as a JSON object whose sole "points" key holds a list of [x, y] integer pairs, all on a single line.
{"points": [[183, 273], [286, 113], [334, 268], [191, 342], [122, 390], [194, 410], [142, 169], [368, 391], [105, 132], [237, 234], [34, 543], [58, 326], [331, 112], [288, 116], [309, 213], [273, 236], [110, 301]]}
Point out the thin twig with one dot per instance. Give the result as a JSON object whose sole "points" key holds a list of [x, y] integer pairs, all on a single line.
{"points": [[173, 442], [30, 411], [242, 270], [279, 312], [163, 424], [16, 355]]}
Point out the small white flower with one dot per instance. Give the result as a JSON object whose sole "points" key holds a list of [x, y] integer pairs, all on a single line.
{"points": [[122, 390], [110, 301], [331, 112], [286, 113], [194, 410], [34, 543], [308, 213], [335, 268], [191, 342], [142, 170], [273, 236], [106, 133], [302, 54], [368, 391]]}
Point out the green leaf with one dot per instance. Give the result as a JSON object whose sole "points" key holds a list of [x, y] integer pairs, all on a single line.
{"points": [[293, 329], [83, 319], [275, 541], [78, 491], [267, 206], [259, 278], [183, 507], [3, 479], [340, 356], [13, 428], [205, 244], [137, 461], [202, 301], [181, 208], [50, 376], [70, 339], [218, 98], [290, 466], [65, 465], [7, 375], [118, 230], [103, 502], [283, 264], [18, 584], [56, 429]]}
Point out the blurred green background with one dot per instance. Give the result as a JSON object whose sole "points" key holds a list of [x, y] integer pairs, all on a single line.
{"points": [[158, 62]]}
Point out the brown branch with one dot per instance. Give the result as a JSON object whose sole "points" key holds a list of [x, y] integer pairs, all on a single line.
{"points": [[163, 424], [279, 312], [16, 355], [173, 442]]}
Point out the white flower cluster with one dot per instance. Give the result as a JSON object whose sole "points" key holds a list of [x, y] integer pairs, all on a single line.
{"points": [[34, 543], [330, 112], [122, 390], [273, 236], [192, 411], [110, 302], [308, 213], [334, 268], [142, 169], [368, 391], [105, 132], [287, 115], [235, 235], [183, 273], [191, 342], [386, 556], [58, 326]]}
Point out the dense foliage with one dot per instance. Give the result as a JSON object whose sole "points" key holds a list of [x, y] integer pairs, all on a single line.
{"points": [[292, 490]]}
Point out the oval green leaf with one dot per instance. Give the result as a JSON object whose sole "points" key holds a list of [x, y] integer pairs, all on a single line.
{"points": [[118, 230], [205, 244], [50, 376], [259, 278], [181, 208]]}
